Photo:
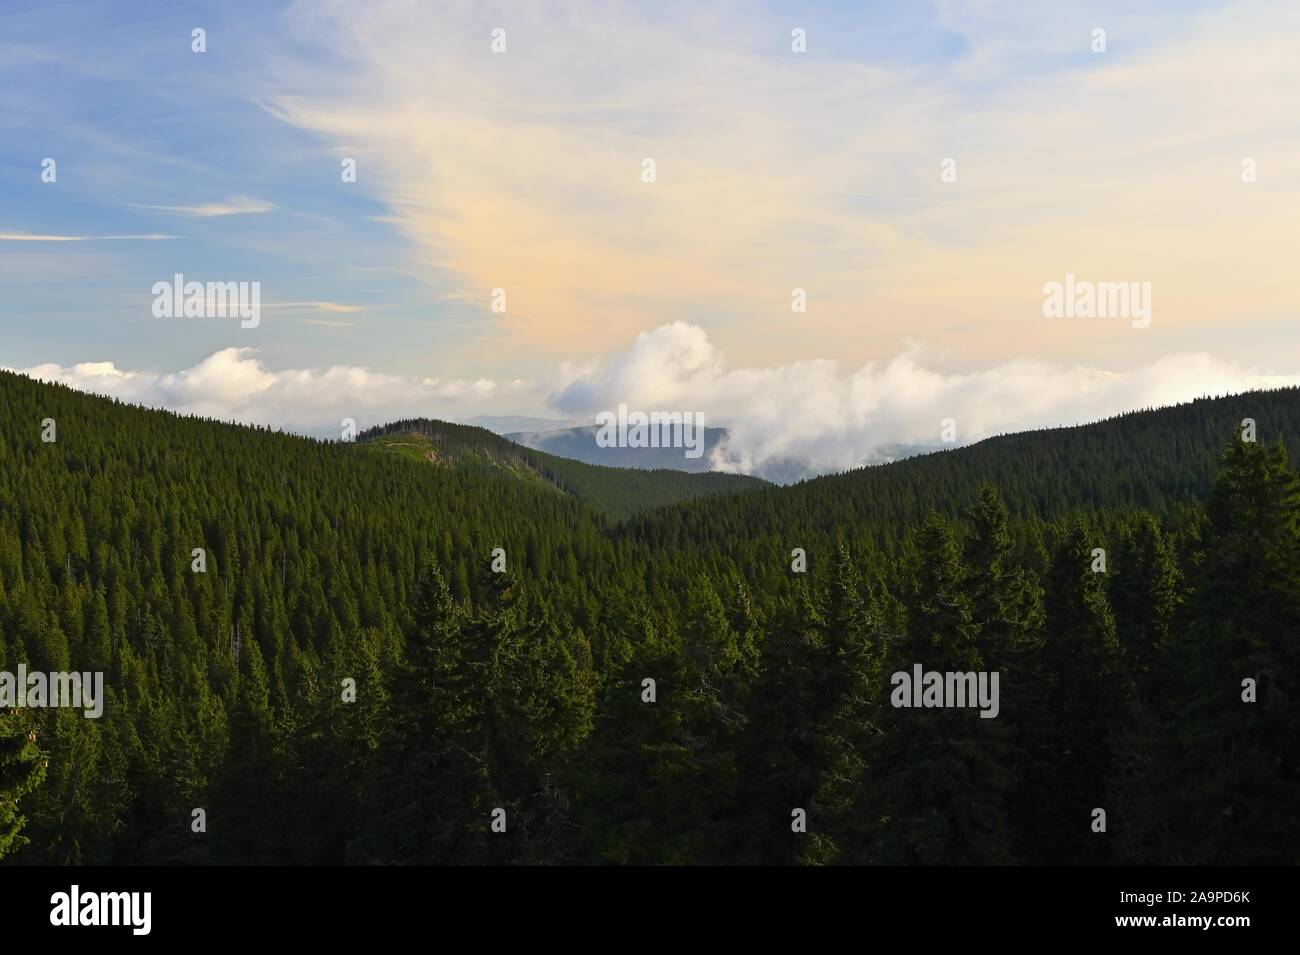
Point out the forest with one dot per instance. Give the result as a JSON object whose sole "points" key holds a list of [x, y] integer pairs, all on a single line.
{"points": [[428, 648]]}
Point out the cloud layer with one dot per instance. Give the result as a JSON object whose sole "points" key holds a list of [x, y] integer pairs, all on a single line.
{"points": [[826, 416], [234, 385], [522, 169], [831, 418]]}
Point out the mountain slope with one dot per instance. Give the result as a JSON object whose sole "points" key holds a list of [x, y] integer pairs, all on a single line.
{"points": [[1153, 459], [228, 582], [617, 492], [579, 444]]}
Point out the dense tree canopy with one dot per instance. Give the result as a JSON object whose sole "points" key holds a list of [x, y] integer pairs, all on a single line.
{"points": [[320, 652]]}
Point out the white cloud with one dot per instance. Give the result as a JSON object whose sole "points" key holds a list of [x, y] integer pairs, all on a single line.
{"points": [[338, 307], [233, 384], [36, 237], [824, 415], [234, 206], [831, 418], [774, 171]]}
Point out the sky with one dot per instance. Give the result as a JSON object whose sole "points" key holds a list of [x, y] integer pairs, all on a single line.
{"points": [[920, 171]]}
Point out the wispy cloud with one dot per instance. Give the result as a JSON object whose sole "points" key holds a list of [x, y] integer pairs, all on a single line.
{"points": [[235, 206], [320, 306], [34, 237], [777, 170]]}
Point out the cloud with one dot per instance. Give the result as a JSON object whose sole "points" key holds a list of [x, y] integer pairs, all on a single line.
{"points": [[234, 206], [30, 237], [823, 415], [233, 384], [831, 418], [338, 307], [821, 171]]}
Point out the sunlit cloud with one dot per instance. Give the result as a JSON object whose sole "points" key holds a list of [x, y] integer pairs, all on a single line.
{"points": [[235, 385], [773, 171], [33, 237], [829, 417], [235, 206], [824, 414], [320, 306]]}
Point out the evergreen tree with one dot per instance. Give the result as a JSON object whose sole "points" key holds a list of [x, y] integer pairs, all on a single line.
{"points": [[1144, 591], [435, 796], [846, 712], [940, 777], [22, 769], [531, 691], [1089, 691], [1235, 776], [782, 751], [1006, 608]]}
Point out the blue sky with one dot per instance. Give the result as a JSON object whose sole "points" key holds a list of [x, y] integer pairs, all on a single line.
{"points": [[135, 119], [522, 170]]}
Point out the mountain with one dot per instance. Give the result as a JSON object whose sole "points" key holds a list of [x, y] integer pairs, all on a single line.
{"points": [[612, 491], [1155, 459], [370, 653], [504, 424], [580, 444]]}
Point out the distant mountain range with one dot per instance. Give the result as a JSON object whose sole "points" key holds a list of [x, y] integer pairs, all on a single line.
{"points": [[505, 424], [579, 444]]}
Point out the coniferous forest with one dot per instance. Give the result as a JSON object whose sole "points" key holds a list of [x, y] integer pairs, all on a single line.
{"points": [[383, 652]]}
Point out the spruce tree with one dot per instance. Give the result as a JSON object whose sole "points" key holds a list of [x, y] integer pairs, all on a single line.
{"points": [[783, 746], [432, 795], [939, 775], [1089, 691], [1235, 776], [1144, 591], [22, 770], [1006, 608]]}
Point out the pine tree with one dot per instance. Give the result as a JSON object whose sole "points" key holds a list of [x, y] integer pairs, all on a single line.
{"points": [[1144, 590], [1235, 776], [1006, 608], [939, 775], [846, 711], [782, 750], [22, 770], [433, 803], [1089, 691]]}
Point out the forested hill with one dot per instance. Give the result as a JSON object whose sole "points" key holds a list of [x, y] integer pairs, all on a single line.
{"points": [[310, 655], [618, 492], [1156, 459]]}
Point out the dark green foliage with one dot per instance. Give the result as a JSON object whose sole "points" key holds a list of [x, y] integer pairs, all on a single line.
{"points": [[333, 569], [617, 492], [1088, 690], [1233, 767], [22, 768], [940, 784]]}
